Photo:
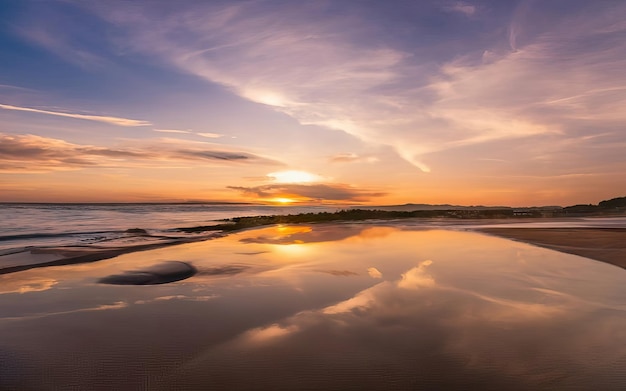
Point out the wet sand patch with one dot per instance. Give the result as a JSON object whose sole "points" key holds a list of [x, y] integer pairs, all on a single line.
{"points": [[601, 244]]}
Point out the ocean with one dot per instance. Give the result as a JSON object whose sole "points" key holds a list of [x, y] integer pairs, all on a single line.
{"points": [[36, 225]]}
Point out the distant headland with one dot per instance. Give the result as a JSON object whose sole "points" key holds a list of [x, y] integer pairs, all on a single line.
{"points": [[612, 207]]}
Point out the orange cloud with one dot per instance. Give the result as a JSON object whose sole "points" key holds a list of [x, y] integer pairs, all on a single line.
{"points": [[352, 158], [30, 153], [309, 192]]}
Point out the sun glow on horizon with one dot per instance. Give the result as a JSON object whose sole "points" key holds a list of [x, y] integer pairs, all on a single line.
{"points": [[282, 200], [293, 176]]}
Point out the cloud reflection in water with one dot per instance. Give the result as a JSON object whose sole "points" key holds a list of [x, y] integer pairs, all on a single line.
{"points": [[427, 309], [424, 331]]}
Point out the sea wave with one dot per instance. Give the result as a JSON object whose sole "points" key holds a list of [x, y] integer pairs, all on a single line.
{"points": [[66, 251], [40, 225]]}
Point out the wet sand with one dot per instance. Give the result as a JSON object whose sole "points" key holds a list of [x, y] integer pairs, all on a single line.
{"points": [[602, 244], [326, 306], [32, 258], [598, 243]]}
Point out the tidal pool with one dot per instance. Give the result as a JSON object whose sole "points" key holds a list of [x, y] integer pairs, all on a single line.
{"points": [[341, 306]]}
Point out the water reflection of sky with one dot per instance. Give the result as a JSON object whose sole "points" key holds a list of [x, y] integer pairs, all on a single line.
{"points": [[348, 306]]}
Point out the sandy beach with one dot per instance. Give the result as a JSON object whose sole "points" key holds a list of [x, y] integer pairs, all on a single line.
{"points": [[598, 243], [602, 244]]}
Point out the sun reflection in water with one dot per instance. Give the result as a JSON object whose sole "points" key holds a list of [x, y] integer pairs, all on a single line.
{"points": [[324, 301], [292, 249]]}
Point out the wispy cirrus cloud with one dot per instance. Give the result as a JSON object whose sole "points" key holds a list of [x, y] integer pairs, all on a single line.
{"points": [[352, 158], [210, 135], [54, 37], [180, 131], [189, 131], [30, 153], [462, 7], [535, 75], [12, 87], [315, 67], [97, 118]]}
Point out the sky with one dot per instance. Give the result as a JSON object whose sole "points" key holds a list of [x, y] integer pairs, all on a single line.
{"points": [[519, 103]]}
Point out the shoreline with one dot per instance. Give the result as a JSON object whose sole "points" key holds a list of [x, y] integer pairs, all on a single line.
{"points": [[606, 245], [73, 255], [601, 244]]}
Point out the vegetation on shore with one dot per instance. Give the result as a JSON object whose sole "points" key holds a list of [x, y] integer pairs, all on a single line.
{"points": [[615, 205], [238, 223], [603, 207]]}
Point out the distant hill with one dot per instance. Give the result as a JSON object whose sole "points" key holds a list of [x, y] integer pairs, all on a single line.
{"points": [[413, 207], [619, 202], [614, 205]]}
